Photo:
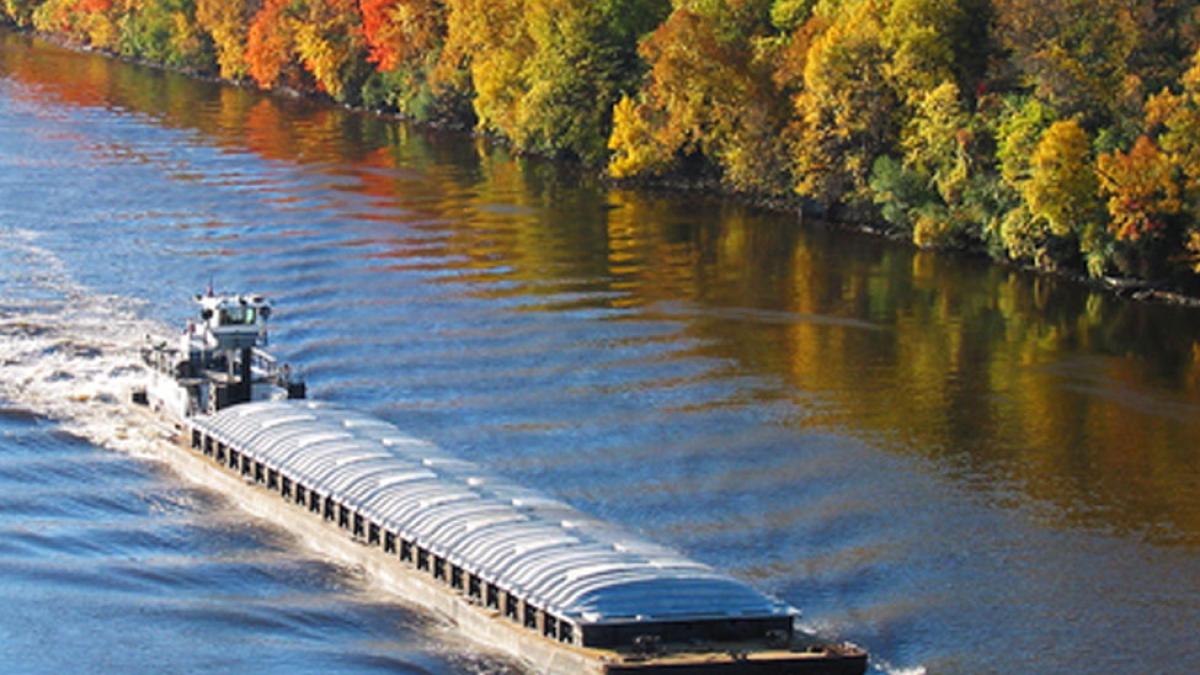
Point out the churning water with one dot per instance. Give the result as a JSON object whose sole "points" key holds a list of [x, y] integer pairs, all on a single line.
{"points": [[965, 469]]}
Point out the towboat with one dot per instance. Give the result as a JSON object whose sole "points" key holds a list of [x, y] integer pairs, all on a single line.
{"points": [[516, 570]]}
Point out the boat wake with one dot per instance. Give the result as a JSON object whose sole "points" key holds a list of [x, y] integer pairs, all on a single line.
{"points": [[68, 353]]}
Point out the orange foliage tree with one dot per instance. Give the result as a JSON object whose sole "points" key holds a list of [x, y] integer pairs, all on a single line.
{"points": [[90, 21], [269, 42], [398, 31], [1141, 190], [323, 36]]}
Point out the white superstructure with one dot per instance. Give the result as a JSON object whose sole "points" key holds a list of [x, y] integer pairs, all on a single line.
{"points": [[218, 361]]}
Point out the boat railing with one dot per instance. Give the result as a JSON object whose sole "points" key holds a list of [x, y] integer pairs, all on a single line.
{"points": [[160, 358], [269, 368]]}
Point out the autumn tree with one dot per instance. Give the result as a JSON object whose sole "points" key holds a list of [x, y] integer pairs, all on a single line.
{"points": [[711, 92], [922, 37], [324, 36], [227, 23], [19, 12], [1062, 184], [164, 31], [1062, 190], [546, 73], [404, 39], [91, 21], [1015, 124], [487, 45], [1021, 124], [401, 31], [931, 191], [845, 116], [1141, 190], [330, 45], [1173, 119], [1074, 54], [270, 42]]}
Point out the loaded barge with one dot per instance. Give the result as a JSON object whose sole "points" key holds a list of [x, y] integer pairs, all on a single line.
{"points": [[517, 570]]}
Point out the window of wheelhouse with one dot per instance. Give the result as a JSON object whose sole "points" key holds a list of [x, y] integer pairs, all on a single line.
{"points": [[237, 316]]}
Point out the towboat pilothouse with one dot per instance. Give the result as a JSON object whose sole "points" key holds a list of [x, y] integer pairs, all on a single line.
{"points": [[516, 570], [219, 361]]}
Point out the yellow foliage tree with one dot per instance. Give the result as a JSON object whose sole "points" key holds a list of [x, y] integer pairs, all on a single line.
{"points": [[1063, 191], [936, 148], [635, 146], [935, 141], [546, 73], [489, 37], [846, 113], [329, 42], [711, 91], [1062, 185], [19, 12], [1193, 250], [921, 36], [227, 23]]}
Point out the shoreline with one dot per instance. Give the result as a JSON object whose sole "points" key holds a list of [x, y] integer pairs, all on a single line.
{"points": [[1160, 292]]}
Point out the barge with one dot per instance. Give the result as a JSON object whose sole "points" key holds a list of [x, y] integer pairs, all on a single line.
{"points": [[517, 570]]}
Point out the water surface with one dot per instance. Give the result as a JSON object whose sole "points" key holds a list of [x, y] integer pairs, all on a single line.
{"points": [[964, 468]]}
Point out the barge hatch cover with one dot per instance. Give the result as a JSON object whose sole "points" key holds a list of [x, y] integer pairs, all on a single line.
{"points": [[529, 545]]}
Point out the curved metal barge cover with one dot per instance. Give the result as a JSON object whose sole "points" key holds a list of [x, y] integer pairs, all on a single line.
{"points": [[528, 544]]}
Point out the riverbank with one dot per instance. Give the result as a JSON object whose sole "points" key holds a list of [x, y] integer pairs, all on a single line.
{"points": [[862, 220]]}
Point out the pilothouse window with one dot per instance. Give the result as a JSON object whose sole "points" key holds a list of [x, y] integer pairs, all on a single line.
{"points": [[237, 316]]}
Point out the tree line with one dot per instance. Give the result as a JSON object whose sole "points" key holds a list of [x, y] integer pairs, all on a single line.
{"points": [[1060, 133]]}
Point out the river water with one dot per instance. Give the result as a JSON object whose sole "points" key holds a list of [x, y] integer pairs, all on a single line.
{"points": [[964, 468]]}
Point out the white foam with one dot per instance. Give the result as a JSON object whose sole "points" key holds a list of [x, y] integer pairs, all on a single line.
{"points": [[883, 666], [69, 353]]}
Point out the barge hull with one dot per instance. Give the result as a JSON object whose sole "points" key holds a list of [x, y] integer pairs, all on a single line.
{"points": [[484, 627]]}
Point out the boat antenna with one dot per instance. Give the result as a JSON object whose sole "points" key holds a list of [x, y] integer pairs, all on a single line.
{"points": [[210, 286]]}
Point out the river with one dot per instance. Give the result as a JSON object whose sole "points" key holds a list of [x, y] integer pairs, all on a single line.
{"points": [[962, 467]]}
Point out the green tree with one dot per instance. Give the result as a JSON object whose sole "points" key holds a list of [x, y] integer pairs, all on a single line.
{"points": [[584, 60], [165, 31]]}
